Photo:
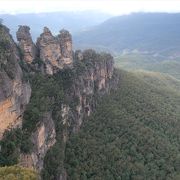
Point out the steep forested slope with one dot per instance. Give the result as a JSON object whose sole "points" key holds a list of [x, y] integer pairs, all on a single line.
{"points": [[134, 134]]}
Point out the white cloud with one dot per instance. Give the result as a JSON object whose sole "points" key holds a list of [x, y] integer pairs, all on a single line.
{"points": [[110, 6]]}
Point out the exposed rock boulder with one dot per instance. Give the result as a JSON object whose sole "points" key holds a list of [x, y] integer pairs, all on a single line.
{"points": [[26, 44], [14, 91]]}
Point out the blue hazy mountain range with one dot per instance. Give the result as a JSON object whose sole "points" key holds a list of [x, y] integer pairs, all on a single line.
{"points": [[153, 32]]}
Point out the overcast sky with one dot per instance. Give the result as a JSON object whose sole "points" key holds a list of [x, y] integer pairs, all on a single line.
{"points": [[115, 7]]}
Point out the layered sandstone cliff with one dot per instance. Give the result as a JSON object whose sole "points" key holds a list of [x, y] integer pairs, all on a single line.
{"points": [[93, 78], [43, 138], [94, 81], [14, 91]]}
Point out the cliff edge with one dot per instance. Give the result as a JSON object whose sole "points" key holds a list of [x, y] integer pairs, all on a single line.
{"points": [[65, 87], [14, 91]]}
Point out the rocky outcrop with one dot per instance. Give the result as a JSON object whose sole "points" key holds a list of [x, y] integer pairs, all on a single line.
{"points": [[50, 51], [65, 40], [26, 44], [14, 91], [94, 81], [92, 78], [55, 52], [43, 138], [86, 77], [78, 55]]}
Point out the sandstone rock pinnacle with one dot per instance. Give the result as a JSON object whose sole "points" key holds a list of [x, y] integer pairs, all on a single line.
{"points": [[26, 44], [55, 52], [65, 40], [50, 51]]}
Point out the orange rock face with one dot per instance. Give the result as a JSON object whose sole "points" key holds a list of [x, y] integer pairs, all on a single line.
{"points": [[43, 138], [8, 117], [14, 91], [11, 108]]}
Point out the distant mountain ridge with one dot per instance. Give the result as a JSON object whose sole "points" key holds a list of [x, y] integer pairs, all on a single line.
{"points": [[73, 21], [152, 32]]}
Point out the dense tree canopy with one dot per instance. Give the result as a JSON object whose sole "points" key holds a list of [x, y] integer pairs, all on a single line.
{"points": [[134, 134]]}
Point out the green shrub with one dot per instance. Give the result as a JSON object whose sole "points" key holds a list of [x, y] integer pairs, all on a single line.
{"points": [[17, 173], [10, 145]]}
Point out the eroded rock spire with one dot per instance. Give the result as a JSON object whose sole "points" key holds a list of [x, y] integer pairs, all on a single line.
{"points": [[55, 52], [26, 44]]}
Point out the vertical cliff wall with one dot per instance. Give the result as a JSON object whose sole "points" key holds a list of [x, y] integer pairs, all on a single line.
{"points": [[91, 78], [43, 138], [14, 91]]}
